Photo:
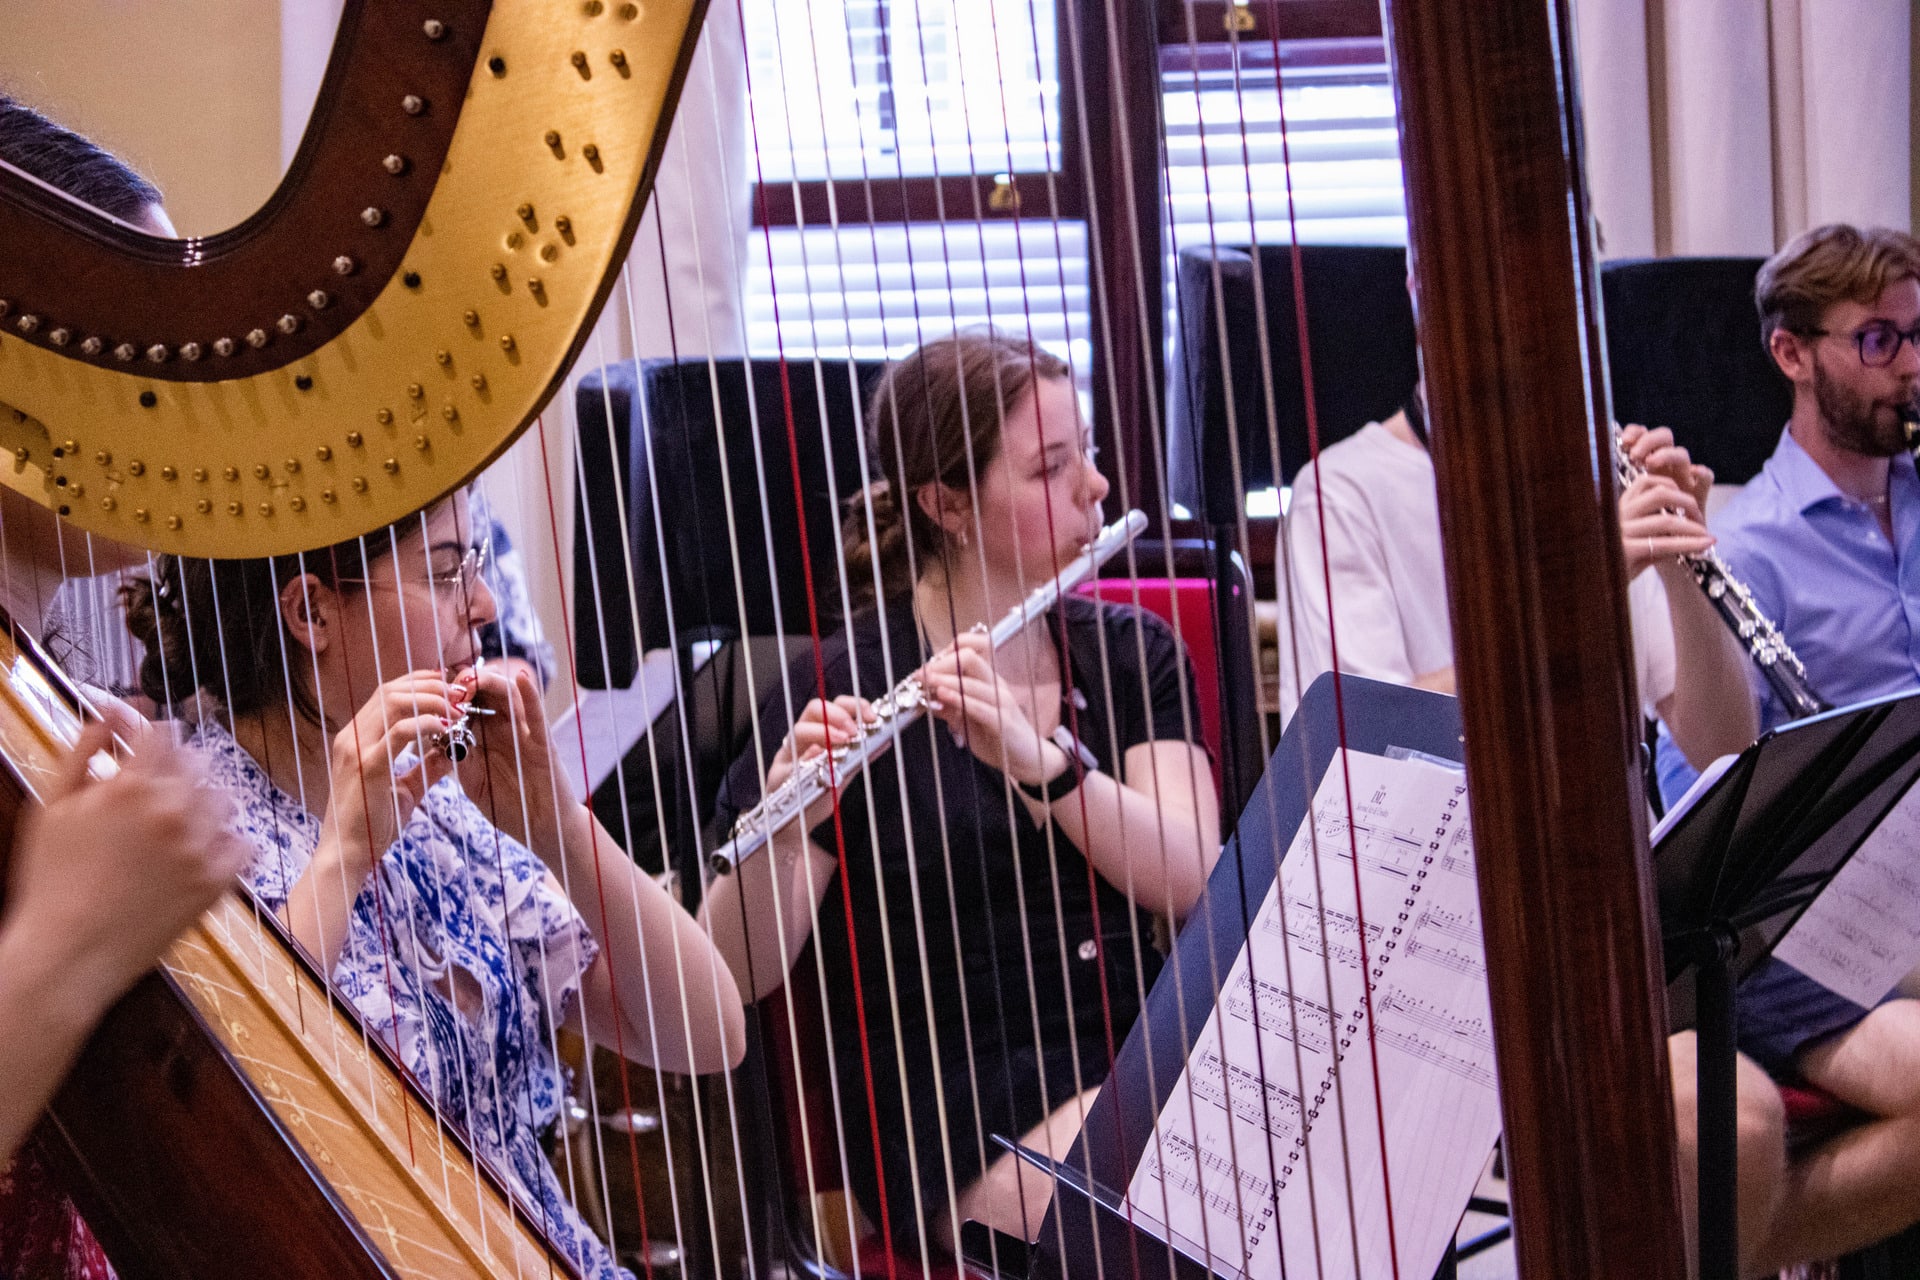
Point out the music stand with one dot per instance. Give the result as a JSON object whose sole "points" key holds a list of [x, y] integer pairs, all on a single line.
{"points": [[1736, 868], [1079, 1228]]}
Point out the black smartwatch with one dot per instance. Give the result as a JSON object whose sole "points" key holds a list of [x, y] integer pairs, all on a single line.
{"points": [[1063, 784]]}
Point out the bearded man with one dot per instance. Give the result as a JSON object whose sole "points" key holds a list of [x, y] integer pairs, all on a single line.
{"points": [[1827, 534], [1828, 538]]}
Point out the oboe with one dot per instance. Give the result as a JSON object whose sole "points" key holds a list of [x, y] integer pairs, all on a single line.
{"points": [[1735, 604], [899, 709]]}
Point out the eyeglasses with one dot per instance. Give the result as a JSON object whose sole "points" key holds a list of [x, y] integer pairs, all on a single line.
{"points": [[460, 578], [1878, 343]]}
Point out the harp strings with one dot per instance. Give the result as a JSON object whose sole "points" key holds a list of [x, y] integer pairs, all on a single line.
{"points": [[1237, 480], [490, 803], [1103, 330]]}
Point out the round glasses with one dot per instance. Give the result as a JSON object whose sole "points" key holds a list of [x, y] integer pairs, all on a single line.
{"points": [[1878, 343], [459, 578]]}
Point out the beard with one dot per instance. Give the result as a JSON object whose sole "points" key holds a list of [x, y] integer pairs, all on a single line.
{"points": [[1854, 421]]}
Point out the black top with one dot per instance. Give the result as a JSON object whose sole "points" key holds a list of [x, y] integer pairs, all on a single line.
{"points": [[991, 894]]}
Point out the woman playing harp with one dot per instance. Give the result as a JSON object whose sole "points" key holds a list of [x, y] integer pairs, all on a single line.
{"points": [[1024, 879], [106, 870], [465, 908]]}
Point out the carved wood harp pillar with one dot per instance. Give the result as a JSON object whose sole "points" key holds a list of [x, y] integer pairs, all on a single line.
{"points": [[1490, 140]]}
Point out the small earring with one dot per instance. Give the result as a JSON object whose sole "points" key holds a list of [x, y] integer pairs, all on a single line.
{"points": [[963, 538]]}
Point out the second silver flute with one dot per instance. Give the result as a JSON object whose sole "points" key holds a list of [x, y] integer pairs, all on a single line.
{"points": [[899, 708]]}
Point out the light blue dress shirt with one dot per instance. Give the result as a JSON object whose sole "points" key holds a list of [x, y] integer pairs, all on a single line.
{"points": [[1844, 598]]}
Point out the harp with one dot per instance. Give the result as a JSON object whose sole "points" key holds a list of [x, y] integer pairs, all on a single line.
{"points": [[314, 433], [450, 219]]}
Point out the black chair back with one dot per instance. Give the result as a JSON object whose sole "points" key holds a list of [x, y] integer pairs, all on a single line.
{"points": [[726, 437], [1365, 361], [1683, 350]]}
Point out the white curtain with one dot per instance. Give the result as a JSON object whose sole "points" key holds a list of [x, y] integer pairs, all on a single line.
{"points": [[685, 298], [1728, 126]]}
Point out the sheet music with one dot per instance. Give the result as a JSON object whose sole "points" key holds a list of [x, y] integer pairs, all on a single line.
{"points": [[1862, 934], [1268, 1152]]}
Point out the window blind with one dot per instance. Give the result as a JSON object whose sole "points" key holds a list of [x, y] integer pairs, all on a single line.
{"points": [[902, 88]]}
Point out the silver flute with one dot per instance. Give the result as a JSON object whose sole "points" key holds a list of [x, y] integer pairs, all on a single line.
{"points": [[894, 713], [1735, 604], [459, 741]]}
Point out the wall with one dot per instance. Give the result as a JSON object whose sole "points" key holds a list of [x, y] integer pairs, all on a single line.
{"points": [[189, 91]]}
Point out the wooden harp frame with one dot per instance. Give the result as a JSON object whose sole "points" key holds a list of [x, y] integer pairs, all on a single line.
{"points": [[1517, 402]]}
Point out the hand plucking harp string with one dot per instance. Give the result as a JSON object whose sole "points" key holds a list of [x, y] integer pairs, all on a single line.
{"points": [[1663, 511], [107, 871]]}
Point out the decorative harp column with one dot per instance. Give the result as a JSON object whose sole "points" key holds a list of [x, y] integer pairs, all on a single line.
{"points": [[1498, 216]]}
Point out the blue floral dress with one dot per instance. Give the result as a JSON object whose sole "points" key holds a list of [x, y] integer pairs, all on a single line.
{"points": [[455, 963]]}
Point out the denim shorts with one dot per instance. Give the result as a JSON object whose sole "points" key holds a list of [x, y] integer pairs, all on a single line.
{"points": [[1782, 1011]]}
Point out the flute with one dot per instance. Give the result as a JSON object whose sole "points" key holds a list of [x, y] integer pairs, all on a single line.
{"points": [[459, 741], [899, 709], [1734, 603]]}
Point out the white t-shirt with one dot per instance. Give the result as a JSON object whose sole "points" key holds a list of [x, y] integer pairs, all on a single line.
{"points": [[1382, 529]]}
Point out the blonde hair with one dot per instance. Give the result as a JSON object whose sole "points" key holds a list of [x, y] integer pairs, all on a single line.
{"points": [[1834, 263]]}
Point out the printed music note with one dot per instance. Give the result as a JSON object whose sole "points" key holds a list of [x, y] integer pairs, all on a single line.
{"points": [[1862, 934], [1335, 982]]}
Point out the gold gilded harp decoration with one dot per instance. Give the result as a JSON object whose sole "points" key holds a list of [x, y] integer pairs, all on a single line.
{"points": [[400, 308]]}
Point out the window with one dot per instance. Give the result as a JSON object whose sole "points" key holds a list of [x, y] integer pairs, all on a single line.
{"points": [[846, 89], [909, 155], [1226, 169], [880, 290]]}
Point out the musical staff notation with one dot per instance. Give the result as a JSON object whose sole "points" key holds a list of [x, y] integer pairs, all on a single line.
{"points": [[1322, 1002]]}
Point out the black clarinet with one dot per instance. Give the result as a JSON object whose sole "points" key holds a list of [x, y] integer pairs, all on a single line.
{"points": [[1778, 663]]}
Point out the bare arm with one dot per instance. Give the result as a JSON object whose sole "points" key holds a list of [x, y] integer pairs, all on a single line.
{"points": [[1154, 833], [103, 877], [1154, 836], [761, 915], [1711, 712], [657, 990], [367, 805], [678, 1007]]}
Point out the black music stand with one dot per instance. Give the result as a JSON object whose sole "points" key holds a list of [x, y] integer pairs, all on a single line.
{"points": [[1082, 1237], [1736, 869]]}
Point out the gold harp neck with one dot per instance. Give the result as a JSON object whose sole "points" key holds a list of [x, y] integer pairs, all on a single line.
{"points": [[415, 300]]}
